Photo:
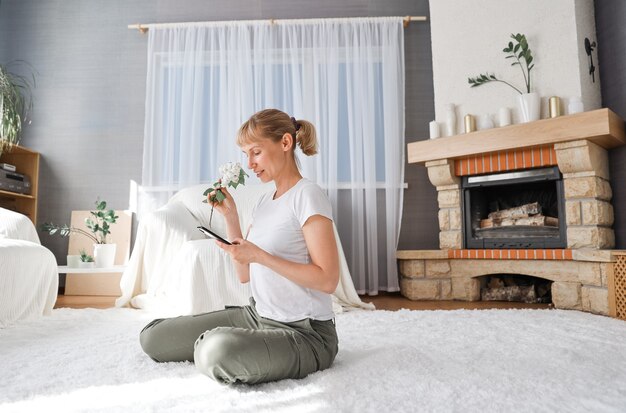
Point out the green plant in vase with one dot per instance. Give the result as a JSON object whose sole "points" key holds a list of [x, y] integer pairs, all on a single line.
{"points": [[99, 224], [522, 56], [84, 257]]}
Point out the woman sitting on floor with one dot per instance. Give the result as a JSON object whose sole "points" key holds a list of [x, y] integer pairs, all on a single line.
{"points": [[290, 258]]}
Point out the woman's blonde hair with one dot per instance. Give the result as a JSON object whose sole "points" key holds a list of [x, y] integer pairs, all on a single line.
{"points": [[273, 124]]}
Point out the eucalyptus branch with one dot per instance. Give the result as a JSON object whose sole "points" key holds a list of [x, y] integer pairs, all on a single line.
{"points": [[82, 231], [65, 230]]}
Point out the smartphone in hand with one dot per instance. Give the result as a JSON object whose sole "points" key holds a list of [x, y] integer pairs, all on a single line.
{"points": [[212, 234]]}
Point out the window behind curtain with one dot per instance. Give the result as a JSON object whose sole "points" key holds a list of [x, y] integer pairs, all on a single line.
{"points": [[346, 76]]}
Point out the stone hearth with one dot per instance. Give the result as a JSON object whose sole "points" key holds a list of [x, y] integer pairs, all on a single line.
{"points": [[581, 273]]}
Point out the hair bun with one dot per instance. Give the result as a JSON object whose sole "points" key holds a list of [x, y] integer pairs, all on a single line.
{"points": [[296, 125]]}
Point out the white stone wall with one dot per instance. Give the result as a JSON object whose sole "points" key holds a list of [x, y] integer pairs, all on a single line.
{"points": [[468, 37]]}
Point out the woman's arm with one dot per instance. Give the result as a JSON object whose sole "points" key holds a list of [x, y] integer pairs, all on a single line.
{"points": [[233, 229], [321, 274], [228, 209]]}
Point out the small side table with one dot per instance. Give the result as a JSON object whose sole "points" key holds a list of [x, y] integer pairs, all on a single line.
{"points": [[92, 281], [64, 269]]}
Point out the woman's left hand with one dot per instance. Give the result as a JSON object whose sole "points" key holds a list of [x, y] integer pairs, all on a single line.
{"points": [[242, 251]]}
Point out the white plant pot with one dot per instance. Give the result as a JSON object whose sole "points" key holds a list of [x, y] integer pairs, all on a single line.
{"points": [[89, 264], [73, 261], [529, 106], [104, 255]]}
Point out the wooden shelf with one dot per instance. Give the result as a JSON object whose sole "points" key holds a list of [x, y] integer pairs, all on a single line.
{"points": [[601, 126], [26, 162], [15, 194]]}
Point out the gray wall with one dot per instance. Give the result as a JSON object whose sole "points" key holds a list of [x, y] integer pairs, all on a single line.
{"points": [[611, 32], [89, 102]]}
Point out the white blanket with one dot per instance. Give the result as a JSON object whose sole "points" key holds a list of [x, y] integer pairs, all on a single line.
{"points": [[173, 268], [29, 280], [14, 225]]}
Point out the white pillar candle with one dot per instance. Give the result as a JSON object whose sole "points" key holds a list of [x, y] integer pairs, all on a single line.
{"points": [[575, 105], [504, 117], [434, 129]]}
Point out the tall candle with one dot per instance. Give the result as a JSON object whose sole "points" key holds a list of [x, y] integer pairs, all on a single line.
{"points": [[434, 129], [450, 119], [504, 117]]}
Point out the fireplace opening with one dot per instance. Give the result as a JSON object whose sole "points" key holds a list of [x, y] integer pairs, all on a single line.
{"points": [[522, 209], [515, 288]]}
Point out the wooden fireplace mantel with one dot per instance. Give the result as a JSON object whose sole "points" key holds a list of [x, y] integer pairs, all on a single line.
{"points": [[602, 126]]}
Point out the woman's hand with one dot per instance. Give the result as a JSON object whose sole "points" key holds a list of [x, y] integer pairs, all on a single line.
{"points": [[228, 207], [242, 251], [321, 274]]}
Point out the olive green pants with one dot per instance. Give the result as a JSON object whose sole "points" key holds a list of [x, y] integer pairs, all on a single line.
{"points": [[238, 345]]}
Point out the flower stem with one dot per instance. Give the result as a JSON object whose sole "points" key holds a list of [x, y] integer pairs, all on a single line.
{"points": [[505, 82], [85, 233], [211, 217], [526, 79]]}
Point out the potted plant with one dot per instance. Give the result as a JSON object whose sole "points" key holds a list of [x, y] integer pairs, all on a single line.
{"points": [[100, 226], [86, 260], [15, 105], [519, 51]]}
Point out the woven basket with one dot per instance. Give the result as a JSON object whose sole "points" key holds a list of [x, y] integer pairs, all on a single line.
{"points": [[617, 287]]}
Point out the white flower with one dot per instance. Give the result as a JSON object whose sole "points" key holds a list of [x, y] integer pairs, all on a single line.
{"points": [[231, 175], [231, 172]]}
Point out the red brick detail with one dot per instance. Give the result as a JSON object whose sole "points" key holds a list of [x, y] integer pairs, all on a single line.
{"points": [[505, 161], [531, 254]]}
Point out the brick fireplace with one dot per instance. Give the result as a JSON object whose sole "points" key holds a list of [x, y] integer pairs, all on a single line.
{"points": [[573, 149]]}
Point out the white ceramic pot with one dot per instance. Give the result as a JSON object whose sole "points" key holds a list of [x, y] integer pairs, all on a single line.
{"points": [[90, 264], [73, 261], [529, 106], [104, 255]]}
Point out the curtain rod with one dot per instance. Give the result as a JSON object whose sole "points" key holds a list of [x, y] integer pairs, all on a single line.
{"points": [[143, 28]]}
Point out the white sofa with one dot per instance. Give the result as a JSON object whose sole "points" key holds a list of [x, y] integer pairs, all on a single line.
{"points": [[29, 279], [173, 268]]}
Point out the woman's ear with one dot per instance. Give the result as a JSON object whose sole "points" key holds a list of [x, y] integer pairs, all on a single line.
{"points": [[287, 142]]}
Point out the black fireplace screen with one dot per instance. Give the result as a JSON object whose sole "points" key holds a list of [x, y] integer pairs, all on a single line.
{"points": [[521, 209]]}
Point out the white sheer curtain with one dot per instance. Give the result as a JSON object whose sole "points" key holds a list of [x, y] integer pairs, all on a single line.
{"points": [[344, 75]]}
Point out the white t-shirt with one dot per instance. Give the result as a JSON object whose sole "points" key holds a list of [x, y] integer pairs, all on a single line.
{"points": [[277, 229]]}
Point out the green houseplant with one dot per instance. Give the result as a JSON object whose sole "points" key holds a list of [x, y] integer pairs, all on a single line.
{"points": [[86, 260], [522, 56], [84, 257], [518, 51], [15, 104], [99, 224]]}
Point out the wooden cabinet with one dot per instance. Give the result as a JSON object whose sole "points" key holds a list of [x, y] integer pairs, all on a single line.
{"points": [[26, 162]]}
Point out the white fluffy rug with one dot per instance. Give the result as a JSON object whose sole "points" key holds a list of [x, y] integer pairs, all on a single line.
{"points": [[405, 361]]}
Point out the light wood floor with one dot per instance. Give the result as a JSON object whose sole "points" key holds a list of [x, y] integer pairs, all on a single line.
{"points": [[383, 301]]}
